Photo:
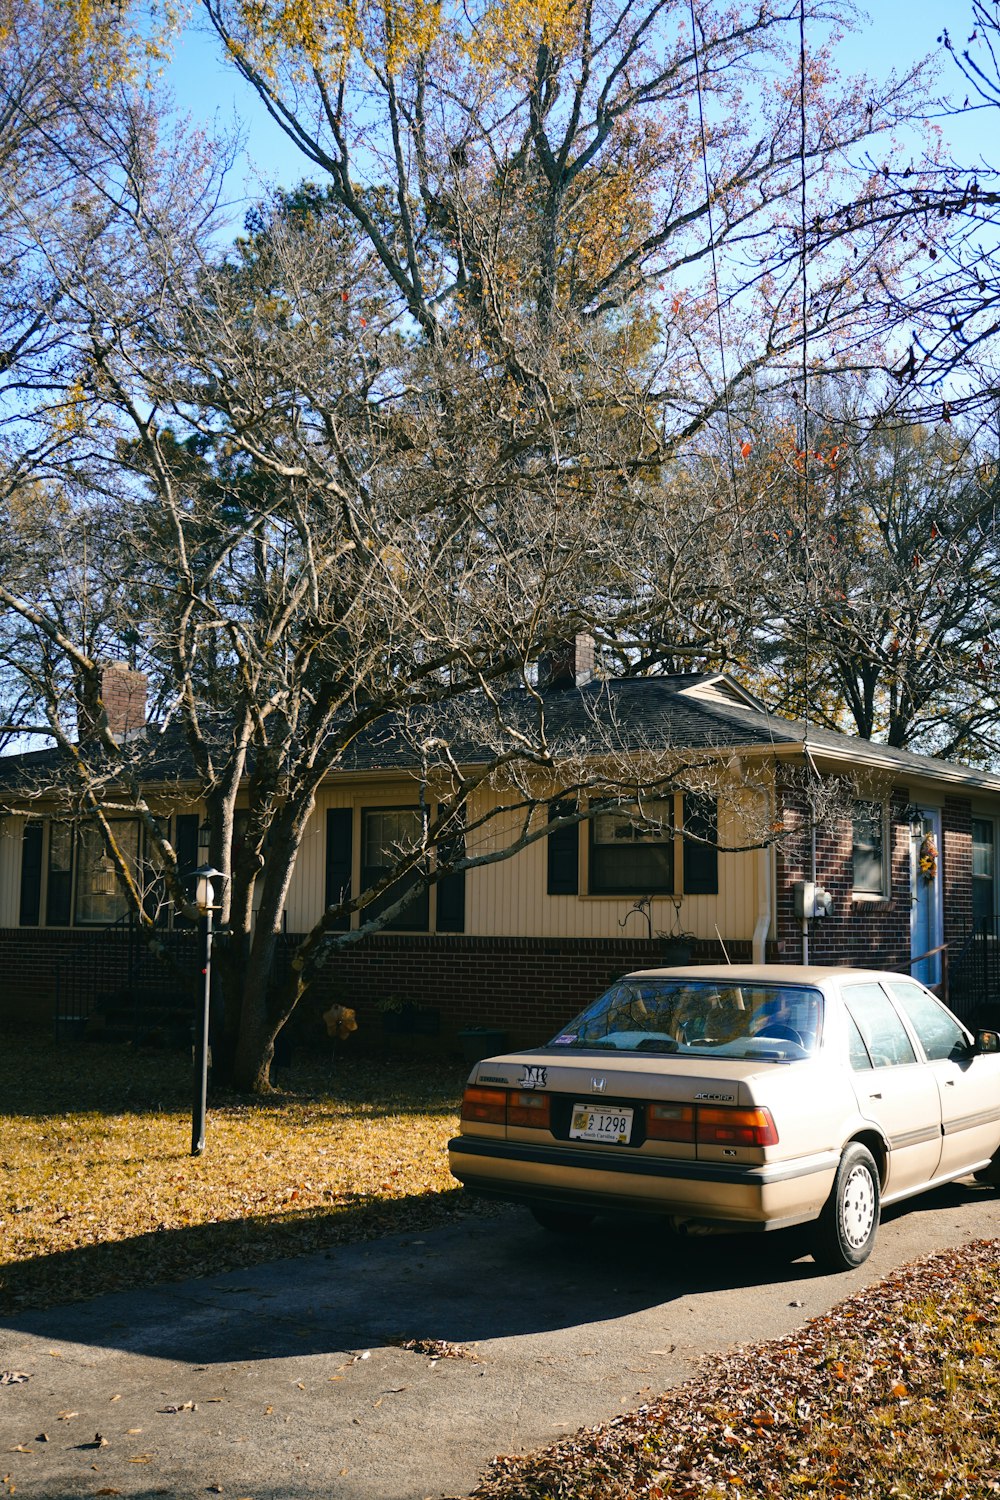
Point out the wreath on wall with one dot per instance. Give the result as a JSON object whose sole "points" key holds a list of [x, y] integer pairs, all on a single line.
{"points": [[928, 858]]}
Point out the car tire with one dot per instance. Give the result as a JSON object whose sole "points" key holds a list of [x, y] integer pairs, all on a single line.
{"points": [[845, 1231], [561, 1220], [990, 1176]]}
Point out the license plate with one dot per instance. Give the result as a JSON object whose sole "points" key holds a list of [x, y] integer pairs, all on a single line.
{"points": [[612, 1125]]}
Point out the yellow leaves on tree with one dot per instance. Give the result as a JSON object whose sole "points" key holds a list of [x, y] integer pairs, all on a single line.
{"points": [[326, 36], [510, 35]]}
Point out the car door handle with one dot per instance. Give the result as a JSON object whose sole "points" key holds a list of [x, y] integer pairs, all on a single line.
{"points": [[950, 1083], [874, 1096]]}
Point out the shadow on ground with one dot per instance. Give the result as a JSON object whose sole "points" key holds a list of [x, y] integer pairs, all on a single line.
{"points": [[471, 1279]]}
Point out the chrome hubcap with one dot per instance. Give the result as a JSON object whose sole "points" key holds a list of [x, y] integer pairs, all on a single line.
{"points": [[857, 1213]]}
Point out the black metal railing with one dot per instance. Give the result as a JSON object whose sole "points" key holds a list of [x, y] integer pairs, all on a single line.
{"points": [[110, 982], [975, 974]]}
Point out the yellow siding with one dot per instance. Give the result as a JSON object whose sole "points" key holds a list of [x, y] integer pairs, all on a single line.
{"points": [[308, 890], [10, 871], [509, 898]]}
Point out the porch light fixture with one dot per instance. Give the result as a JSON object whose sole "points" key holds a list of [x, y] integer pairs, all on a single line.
{"points": [[206, 897], [915, 818]]}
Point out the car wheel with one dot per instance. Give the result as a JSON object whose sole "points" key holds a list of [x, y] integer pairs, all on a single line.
{"points": [[846, 1229], [561, 1220], [990, 1176]]}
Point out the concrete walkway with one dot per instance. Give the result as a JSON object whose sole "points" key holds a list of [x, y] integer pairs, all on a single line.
{"points": [[287, 1381]]}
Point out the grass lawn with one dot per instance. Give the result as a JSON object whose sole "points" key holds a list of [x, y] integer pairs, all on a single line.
{"points": [[98, 1190]]}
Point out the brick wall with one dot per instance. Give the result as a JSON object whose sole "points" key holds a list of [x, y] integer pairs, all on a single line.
{"points": [[48, 969], [955, 869], [874, 933], [863, 931], [528, 987]]}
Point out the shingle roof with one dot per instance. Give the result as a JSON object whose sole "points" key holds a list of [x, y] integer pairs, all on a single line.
{"points": [[679, 713]]}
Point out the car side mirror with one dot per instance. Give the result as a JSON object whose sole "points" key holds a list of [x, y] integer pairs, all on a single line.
{"points": [[987, 1041]]}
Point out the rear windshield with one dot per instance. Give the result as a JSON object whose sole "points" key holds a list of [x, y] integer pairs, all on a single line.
{"points": [[701, 1018]]}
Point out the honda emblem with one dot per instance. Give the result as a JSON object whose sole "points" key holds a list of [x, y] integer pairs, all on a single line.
{"points": [[598, 1085]]}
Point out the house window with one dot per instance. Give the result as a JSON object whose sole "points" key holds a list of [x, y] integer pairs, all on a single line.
{"points": [[632, 849], [983, 888], [99, 897], [869, 849], [59, 873], [387, 834]]}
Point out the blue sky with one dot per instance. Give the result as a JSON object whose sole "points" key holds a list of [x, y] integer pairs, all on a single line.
{"points": [[895, 34]]}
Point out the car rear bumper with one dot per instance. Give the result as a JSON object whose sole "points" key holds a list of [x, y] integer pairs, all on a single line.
{"points": [[714, 1194]]}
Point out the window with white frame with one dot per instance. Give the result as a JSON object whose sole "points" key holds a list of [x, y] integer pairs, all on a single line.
{"points": [[870, 868], [983, 872]]}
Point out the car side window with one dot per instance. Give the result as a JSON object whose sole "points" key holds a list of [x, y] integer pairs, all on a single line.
{"points": [[858, 1051], [880, 1025], [940, 1034]]}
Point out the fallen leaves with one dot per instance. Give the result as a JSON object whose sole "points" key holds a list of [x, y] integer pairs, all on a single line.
{"points": [[896, 1392], [435, 1348], [13, 1377]]}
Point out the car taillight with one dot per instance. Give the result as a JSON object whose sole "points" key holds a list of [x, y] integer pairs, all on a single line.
{"points": [[670, 1122], [485, 1106], [736, 1127], [528, 1109], [506, 1107]]}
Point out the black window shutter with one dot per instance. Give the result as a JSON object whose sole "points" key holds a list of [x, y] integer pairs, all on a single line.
{"points": [[186, 845], [31, 875], [451, 890], [701, 861], [339, 860], [563, 850], [186, 848]]}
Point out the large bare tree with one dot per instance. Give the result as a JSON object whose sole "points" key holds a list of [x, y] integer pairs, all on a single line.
{"points": [[423, 422]]}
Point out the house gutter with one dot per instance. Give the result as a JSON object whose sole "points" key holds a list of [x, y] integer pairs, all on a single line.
{"points": [[764, 880]]}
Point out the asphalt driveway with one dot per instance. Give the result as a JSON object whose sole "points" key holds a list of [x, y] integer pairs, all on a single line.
{"points": [[289, 1381]]}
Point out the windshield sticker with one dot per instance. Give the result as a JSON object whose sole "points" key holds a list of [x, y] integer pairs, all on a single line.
{"points": [[565, 1040], [533, 1077]]}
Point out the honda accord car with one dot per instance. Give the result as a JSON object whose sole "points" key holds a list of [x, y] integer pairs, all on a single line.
{"points": [[739, 1098]]}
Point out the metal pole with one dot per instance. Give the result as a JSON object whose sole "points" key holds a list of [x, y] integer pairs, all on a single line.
{"points": [[201, 1039]]}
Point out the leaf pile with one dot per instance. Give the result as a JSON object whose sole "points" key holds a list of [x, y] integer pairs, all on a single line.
{"points": [[436, 1349], [98, 1190], [896, 1392]]}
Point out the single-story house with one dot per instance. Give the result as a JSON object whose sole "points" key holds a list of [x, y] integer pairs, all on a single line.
{"points": [[901, 864]]}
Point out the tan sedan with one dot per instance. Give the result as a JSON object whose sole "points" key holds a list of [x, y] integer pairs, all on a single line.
{"points": [[747, 1097]]}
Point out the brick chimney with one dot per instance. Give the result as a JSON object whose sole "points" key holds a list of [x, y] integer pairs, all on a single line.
{"points": [[123, 691], [569, 664]]}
